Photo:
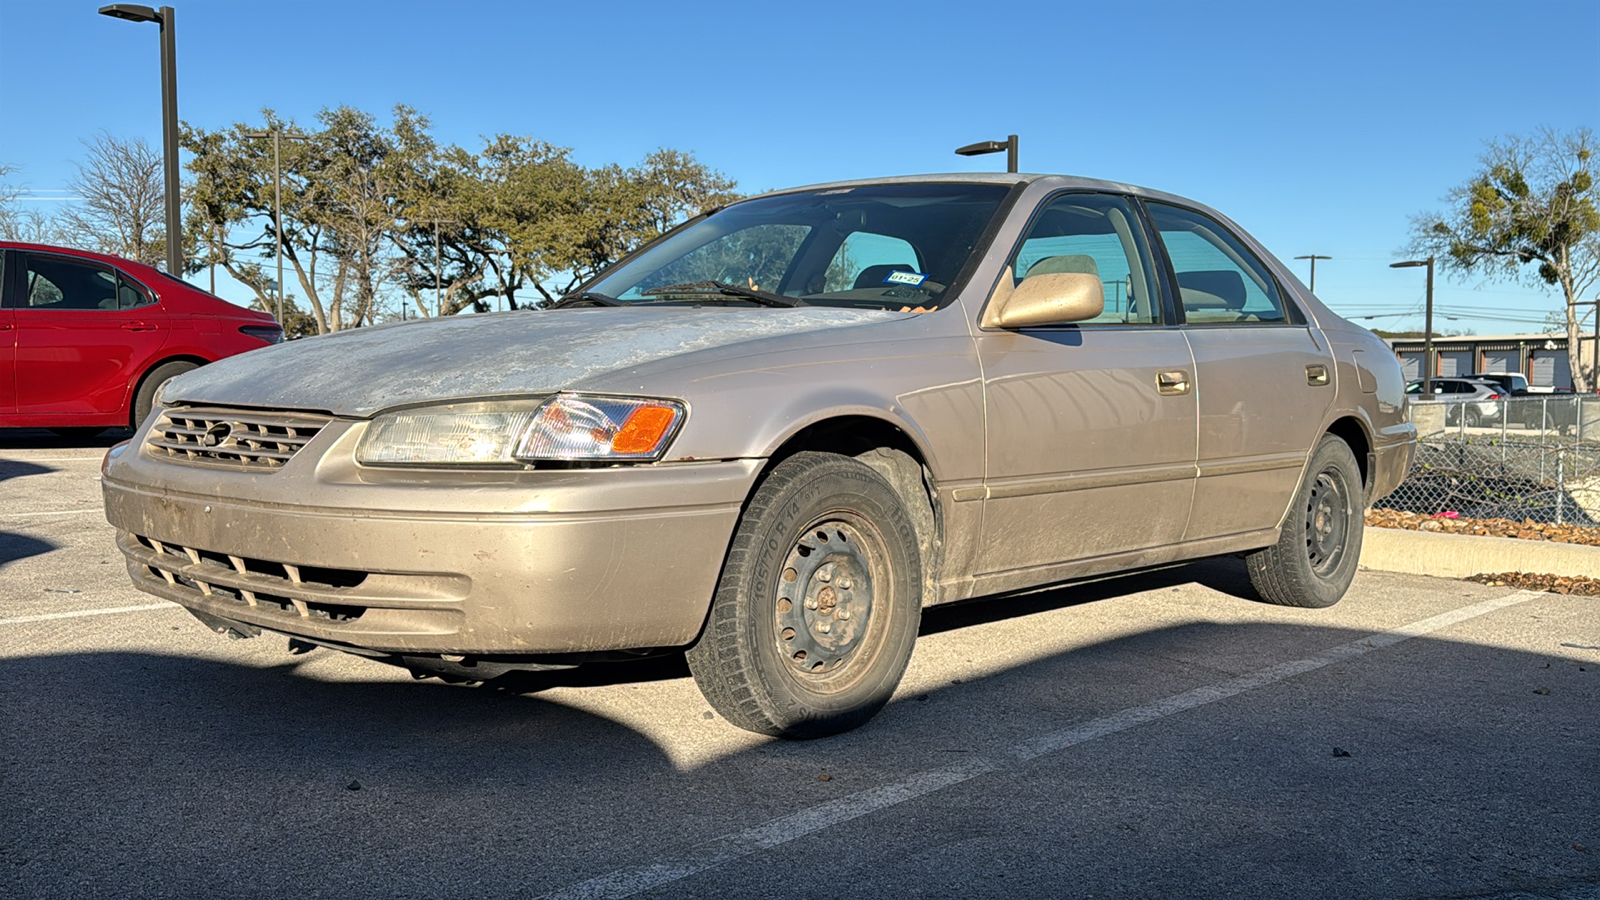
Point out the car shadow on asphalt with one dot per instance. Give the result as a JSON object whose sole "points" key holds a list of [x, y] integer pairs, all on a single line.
{"points": [[159, 774], [43, 439]]}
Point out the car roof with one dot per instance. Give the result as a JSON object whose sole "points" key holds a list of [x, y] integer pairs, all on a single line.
{"points": [[135, 267], [1001, 178]]}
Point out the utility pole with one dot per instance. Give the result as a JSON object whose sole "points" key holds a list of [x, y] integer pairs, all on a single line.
{"points": [[277, 136], [1313, 257]]}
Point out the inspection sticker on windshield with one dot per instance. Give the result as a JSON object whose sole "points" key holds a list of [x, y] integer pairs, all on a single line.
{"points": [[915, 279]]}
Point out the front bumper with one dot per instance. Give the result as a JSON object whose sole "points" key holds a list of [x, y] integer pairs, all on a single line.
{"points": [[524, 563]]}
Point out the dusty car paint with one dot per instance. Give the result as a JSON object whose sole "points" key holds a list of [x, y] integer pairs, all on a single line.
{"points": [[1017, 447]]}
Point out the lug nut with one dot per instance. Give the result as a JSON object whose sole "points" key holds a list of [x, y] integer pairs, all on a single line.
{"points": [[845, 583], [844, 613], [824, 627], [811, 603], [824, 576]]}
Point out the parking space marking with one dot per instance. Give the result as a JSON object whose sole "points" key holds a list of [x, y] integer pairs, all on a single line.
{"points": [[736, 845], [56, 512], [78, 614], [39, 459]]}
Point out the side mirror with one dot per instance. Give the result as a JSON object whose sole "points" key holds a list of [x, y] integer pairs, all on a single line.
{"points": [[1054, 298]]}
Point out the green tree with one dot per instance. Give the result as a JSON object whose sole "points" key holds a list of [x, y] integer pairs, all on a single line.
{"points": [[1527, 214]]}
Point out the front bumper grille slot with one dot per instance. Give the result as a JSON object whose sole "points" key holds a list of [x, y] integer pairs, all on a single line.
{"points": [[242, 438], [309, 592]]}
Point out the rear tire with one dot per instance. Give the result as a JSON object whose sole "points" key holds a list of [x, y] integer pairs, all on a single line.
{"points": [[145, 398], [1316, 555], [817, 610]]}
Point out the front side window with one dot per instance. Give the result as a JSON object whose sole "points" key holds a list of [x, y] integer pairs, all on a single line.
{"points": [[1099, 235], [1220, 281], [887, 246]]}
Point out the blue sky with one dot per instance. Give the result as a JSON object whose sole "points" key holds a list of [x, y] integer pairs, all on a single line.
{"points": [[1319, 127]]}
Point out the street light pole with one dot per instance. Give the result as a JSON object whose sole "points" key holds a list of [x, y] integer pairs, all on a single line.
{"points": [[166, 18], [1009, 145], [1313, 257], [1427, 328]]}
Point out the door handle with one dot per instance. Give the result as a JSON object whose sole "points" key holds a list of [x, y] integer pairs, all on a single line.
{"points": [[5, 326], [1174, 382], [1316, 375], [138, 326]]}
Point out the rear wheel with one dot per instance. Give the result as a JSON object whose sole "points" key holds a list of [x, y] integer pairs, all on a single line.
{"points": [[817, 609], [144, 400], [1315, 557]]}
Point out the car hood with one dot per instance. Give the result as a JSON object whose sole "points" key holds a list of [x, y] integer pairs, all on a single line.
{"points": [[362, 371]]}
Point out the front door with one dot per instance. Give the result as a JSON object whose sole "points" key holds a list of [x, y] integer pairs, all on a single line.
{"points": [[83, 334], [1091, 425]]}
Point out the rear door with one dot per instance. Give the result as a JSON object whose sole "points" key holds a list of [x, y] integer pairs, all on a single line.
{"points": [[8, 342], [1264, 377], [84, 333]]}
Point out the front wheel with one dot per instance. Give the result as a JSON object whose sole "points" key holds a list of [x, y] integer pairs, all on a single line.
{"points": [[818, 606], [1315, 557]]}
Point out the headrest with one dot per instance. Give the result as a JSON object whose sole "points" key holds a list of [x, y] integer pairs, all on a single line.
{"points": [[1223, 283], [1078, 263], [873, 276]]}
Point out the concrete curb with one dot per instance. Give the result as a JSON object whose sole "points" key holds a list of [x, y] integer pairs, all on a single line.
{"points": [[1460, 555]]}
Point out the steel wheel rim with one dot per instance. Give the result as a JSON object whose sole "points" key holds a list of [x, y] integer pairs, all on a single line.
{"points": [[826, 593], [1327, 521]]}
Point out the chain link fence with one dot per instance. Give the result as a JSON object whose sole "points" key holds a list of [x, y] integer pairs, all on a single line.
{"points": [[1521, 458]]}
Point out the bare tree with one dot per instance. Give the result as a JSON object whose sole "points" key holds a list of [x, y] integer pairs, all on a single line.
{"points": [[18, 224], [122, 207]]}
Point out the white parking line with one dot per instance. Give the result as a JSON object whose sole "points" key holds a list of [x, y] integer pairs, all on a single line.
{"points": [[78, 614], [56, 512], [36, 459], [729, 847]]}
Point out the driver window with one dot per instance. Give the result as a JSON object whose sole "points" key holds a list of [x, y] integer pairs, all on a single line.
{"points": [[1094, 234]]}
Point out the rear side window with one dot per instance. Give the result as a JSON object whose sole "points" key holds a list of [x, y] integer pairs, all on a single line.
{"points": [[1220, 282], [58, 283]]}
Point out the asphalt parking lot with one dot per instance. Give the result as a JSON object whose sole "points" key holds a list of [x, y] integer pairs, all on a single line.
{"points": [[1154, 735]]}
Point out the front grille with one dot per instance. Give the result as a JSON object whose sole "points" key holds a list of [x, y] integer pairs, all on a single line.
{"points": [[309, 592], [242, 438]]}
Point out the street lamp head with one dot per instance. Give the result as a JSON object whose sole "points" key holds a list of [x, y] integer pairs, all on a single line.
{"points": [[983, 147], [1410, 263], [131, 12]]}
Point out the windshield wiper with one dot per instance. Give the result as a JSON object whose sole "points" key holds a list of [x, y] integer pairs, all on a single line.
{"points": [[582, 297], [723, 288]]}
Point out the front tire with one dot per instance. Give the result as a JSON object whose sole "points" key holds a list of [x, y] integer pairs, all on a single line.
{"points": [[1315, 557], [817, 610]]}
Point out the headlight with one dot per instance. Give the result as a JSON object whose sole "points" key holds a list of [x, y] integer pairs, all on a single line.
{"points": [[564, 427]]}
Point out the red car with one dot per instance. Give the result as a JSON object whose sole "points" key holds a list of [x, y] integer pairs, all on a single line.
{"points": [[86, 339]]}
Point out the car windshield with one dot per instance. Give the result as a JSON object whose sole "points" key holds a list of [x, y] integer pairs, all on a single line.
{"points": [[891, 246]]}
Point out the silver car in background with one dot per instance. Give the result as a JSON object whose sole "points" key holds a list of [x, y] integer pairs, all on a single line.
{"points": [[1468, 401], [773, 436]]}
